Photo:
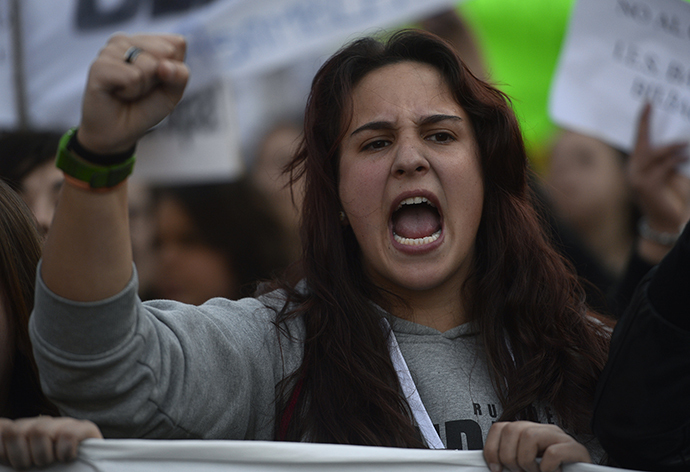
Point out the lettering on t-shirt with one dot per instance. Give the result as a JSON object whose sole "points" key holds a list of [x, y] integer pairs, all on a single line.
{"points": [[468, 435]]}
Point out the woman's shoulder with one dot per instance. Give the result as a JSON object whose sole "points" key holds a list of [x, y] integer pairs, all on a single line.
{"points": [[260, 309], [249, 324]]}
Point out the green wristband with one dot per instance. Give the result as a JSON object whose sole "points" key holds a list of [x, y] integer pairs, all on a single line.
{"points": [[95, 176]]}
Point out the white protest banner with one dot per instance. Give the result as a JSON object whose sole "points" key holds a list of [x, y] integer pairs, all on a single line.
{"points": [[63, 37], [617, 55], [226, 39], [249, 36], [262, 456]]}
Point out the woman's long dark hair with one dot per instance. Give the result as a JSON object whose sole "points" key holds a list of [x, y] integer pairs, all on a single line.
{"points": [[525, 301], [20, 250]]}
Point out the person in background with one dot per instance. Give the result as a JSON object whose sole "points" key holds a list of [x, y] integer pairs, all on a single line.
{"points": [[268, 174], [37, 440], [610, 211], [642, 413], [214, 240], [27, 164], [20, 250], [588, 186], [593, 215], [141, 230], [662, 195], [449, 25]]}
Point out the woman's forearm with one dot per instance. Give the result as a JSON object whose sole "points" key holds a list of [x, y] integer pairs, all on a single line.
{"points": [[88, 255]]}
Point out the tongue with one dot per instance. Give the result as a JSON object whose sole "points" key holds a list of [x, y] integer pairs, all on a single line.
{"points": [[416, 221]]}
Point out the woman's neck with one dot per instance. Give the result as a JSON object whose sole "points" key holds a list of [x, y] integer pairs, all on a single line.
{"points": [[430, 308]]}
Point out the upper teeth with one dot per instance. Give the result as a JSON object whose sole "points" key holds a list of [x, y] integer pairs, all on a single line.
{"points": [[414, 201]]}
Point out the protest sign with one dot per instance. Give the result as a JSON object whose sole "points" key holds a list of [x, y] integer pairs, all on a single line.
{"points": [[227, 39], [263, 456], [198, 142], [617, 55]]}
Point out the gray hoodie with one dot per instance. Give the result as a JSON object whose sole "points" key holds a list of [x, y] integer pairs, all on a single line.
{"points": [[163, 369]]}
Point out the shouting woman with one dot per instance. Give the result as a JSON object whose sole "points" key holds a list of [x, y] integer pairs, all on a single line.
{"points": [[428, 307]]}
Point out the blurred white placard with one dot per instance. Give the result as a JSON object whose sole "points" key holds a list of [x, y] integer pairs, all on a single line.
{"points": [[198, 142], [61, 39], [263, 456], [617, 54]]}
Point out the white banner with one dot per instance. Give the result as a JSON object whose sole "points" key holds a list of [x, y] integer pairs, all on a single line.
{"points": [[250, 36], [226, 39], [618, 54], [261, 456], [62, 37]]}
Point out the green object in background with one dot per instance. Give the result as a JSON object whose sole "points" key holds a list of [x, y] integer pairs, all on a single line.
{"points": [[521, 40]]}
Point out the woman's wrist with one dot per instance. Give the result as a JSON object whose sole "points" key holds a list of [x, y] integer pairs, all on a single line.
{"points": [[101, 159], [107, 172]]}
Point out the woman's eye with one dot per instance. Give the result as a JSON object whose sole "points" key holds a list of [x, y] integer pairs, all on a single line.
{"points": [[440, 137], [378, 144]]}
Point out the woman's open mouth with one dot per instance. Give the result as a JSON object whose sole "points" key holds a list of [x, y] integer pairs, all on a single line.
{"points": [[416, 222]]}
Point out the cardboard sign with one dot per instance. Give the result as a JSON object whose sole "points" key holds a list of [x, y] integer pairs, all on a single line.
{"points": [[261, 456], [617, 55]]}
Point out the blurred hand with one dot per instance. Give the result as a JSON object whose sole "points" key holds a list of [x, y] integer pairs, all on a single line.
{"points": [[661, 191], [516, 445], [39, 441], [123, 100]]}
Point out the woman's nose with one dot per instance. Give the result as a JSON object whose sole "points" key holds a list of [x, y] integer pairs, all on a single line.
{"points": [[409, 158]]}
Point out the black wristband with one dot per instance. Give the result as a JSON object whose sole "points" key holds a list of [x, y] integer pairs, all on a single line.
{"points": [[105, 160]]}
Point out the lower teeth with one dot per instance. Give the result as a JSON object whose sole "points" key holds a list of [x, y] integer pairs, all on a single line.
{"points": [[417, 241]]}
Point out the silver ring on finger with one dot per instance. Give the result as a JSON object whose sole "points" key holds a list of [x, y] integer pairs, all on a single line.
{"points": [[131, 54]]}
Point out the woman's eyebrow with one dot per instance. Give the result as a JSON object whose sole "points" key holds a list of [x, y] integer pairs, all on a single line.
{"points": [[373, 125], [431, 119], [427, 120]]}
